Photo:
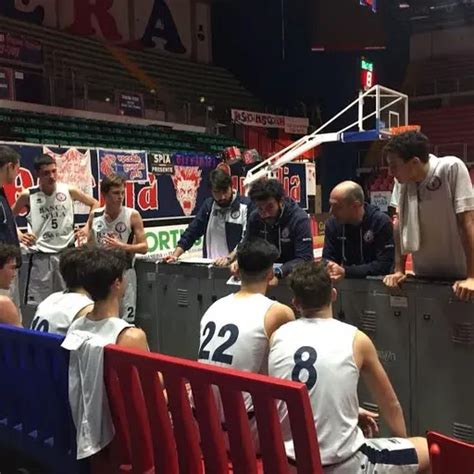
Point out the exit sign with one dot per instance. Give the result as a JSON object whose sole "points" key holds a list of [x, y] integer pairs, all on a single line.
{"points": [[369, 3]]}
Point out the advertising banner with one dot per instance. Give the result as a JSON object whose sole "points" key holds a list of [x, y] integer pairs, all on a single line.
{"points": [[131, 164], [159, 197]]}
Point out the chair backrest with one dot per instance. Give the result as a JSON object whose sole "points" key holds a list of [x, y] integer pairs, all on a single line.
{"points": [[449, 455], [155, 437], [35, 417]]}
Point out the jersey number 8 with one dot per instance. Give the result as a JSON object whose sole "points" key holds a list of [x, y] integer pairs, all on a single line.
{"points": [[305, 364]]}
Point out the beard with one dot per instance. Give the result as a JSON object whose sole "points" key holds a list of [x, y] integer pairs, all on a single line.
{"points": [[225, 203]]}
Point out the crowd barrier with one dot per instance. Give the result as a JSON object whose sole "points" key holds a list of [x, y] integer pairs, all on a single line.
{"points": [[423, 334], [35, 417]]}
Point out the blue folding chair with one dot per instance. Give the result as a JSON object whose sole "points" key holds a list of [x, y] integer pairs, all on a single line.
{"points": [[35, 417]]}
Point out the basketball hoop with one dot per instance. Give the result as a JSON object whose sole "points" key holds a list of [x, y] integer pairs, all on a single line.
{"points": [[390, 132]]}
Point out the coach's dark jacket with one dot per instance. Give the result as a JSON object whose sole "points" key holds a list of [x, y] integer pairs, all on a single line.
{"points": [[8, 233], [236, 222], [291, 235], [363, 250]]}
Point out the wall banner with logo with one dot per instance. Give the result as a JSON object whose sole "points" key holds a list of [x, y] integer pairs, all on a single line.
{"points": [[159, 197], [294, 125], [133, 165]]}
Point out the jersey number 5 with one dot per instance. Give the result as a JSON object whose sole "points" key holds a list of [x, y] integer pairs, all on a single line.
{"points": [[305, 364], [219, 354]]}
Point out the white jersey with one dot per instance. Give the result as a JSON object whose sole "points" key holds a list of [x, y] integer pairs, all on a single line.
{"points": [[445, 192], [56, 313], [233, 334], [120, 227], [319, 352], [86, 340], [51, 219]]}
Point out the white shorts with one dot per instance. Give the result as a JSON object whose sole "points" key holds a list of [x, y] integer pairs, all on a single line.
{"points": [[43, 277], [128, 305], [380, 456]]}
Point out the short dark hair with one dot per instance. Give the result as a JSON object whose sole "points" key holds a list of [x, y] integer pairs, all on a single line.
{"points": [[43, 160], [265, 189], [71, 266], [8, 252], [255, 258], [103, 267], [111, 181], [219, 180], [311, 285], [407, 145], [8, 155]]}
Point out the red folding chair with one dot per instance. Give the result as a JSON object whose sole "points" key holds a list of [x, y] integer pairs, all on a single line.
{"points": [[449, 455], [155, 437]]}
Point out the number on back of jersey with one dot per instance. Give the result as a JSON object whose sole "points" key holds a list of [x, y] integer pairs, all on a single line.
{"points": [[39, 324], [304, 370], [230, 332]]}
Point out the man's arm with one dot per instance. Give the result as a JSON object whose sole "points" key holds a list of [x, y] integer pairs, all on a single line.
{"points": [[78, 195], [303, 246], [464, 289], [466, 229], [26, 238], [90, 231], [384, 255], [331, 249], [398, 277], [379, 385], [9, 313], [22, 202], [139, 244], [277, 315], [194, 231]]}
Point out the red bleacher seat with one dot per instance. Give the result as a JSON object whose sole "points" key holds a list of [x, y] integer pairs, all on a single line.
{"points": [[152, 437], [449, 455]]}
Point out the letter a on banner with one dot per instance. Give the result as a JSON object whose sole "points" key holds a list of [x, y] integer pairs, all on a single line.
{"points": [[161, 24], [84, 10]]}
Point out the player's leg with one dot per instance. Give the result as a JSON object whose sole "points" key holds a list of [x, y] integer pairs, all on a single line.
{"points": [[129, 301], [39, 284], [58, 282], [395, 455], [423, 453]]}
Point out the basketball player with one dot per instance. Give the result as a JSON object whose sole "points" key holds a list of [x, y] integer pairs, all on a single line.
{"points": [[430, 194], [50, 217], [9, 255], [116, 226], [104, 281], [235, 330], [56, 313], [328, 356]]}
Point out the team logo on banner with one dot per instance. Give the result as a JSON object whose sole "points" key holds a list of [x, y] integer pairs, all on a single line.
{"points": [[186, 181]]}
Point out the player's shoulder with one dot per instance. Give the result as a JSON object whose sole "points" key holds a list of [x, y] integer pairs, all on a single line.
{"points": [[99, 212], [132, 337], [9, 314], [280, 310], [448, 163]]}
